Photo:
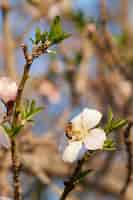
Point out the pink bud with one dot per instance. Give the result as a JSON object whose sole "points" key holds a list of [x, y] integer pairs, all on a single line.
{"points": [[91, 28], [8, 89]]}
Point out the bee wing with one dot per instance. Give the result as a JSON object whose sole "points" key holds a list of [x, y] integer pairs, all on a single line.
{"points": [[4, 140]]}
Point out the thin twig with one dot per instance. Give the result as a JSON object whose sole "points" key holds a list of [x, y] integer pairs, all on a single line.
{"points": [[16, 169], [69, 185], [128, 145], [109, 52], [14, 152], [15, 158]]}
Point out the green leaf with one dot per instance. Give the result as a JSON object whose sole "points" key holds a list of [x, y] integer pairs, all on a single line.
{"points": [[44, 37], [29, 110], [33, 113], [108, 127], [110, 115], [54, 36], [109, 145], [113, 124], [37, 35], [32, 106], [119, 123], [12, 131], [56, 33], [55, 29], [7, 128], [16, 130]]}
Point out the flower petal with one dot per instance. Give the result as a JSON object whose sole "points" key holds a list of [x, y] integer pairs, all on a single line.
{"points": [[8, 89], [90, 118], [73, 152], [95, 139], [77, 122]]}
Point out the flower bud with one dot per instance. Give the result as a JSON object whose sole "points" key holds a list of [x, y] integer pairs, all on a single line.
{"points": [[8, 89], [91, 28]]}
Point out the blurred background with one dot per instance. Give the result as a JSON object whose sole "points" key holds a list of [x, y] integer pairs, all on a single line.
{"points": [[93, 68]]}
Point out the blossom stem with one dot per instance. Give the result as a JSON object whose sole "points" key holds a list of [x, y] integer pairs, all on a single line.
{"points": [[14, 152], [16, 170], [70, 185], [15, 159]]}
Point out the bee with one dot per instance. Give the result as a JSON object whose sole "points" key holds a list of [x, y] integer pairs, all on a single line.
{"points": [[68, 130]]}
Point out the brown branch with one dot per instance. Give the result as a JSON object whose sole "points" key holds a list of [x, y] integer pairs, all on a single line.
{"points": [[15, 158], [108, 52], [128, 145], [69, 185], [14, 152], [15, 169]]}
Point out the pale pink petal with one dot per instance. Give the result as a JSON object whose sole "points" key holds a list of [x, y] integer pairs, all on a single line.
{"points": [[95, 139], [4, 140], [72, 152], [8, 89], [90, 118]]}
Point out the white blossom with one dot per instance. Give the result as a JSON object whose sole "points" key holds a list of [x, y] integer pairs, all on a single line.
{"points": [[85, 135], [8, 89]]}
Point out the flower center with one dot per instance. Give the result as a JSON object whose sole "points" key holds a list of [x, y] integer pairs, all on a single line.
{"points": [[79, 135]]}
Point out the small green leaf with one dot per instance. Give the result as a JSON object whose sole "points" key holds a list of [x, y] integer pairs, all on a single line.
{"points": [[110, 115], [55, 29], [37, 35], [29, 110], [113, 124], [32, 106], [119, 123], [12, 131], [109, 145], [16, 130], [33, 113], [44, 37], [7, 128], [56, 33]]}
